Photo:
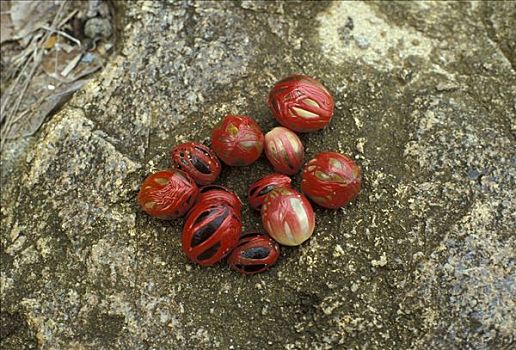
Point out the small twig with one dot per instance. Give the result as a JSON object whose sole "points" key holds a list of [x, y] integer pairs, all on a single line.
{"points": [[67, 18], [56, 56], [9, 121], [20, 116], [22, 60], [7, 95], [69, 37], [73, 63]]}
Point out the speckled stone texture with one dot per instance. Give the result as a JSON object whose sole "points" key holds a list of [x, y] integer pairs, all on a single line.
{"points": [[425, 103]]}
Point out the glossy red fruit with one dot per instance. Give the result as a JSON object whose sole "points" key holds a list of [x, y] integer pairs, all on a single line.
{"points": [[198, 160], [259, 189], [210, 232], [331, 180], [255, 253], [237, 140], [167, 194], [219, 194], [288, 216], [284, 150], [301, 103]]}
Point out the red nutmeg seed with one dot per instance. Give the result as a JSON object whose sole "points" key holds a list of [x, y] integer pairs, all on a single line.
{"points": [[331, 180], [259, 189], [288, 216], [237, 140], [284, 150], [301, 103], [198, 160], [210, 232], [219, 194], [255, 253], [167, 194]]}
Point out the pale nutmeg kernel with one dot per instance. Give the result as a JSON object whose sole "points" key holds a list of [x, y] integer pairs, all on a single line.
{"points": [[284, 150], [288, 216]]}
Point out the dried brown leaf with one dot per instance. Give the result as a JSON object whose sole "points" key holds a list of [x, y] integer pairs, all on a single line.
{"points": [[30, 120], [56, 60], [28, 16]]}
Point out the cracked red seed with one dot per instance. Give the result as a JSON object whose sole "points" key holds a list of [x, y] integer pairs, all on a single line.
{"points": [[301, 103], [167, 194], [261, 188], [210, 232], [198, 160], [220, 194], [331, 180], [237, 140], [255, 252]]}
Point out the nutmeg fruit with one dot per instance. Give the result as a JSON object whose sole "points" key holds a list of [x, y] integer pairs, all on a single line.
{"points": [[288, 216], [198, 160], [167, 194], [284, 150], [301, 103], [237, 140], [255, 252], [261, 188], [331, 180]]}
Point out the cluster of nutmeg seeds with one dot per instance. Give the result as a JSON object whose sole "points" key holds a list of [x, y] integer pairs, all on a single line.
{"points": [[213, 226]]}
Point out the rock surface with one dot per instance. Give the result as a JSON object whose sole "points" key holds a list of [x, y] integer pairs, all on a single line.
{"points": [[424, 258]]}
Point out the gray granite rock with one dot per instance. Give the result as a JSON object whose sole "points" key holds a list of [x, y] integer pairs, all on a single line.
{"points": [[424, 259]]}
